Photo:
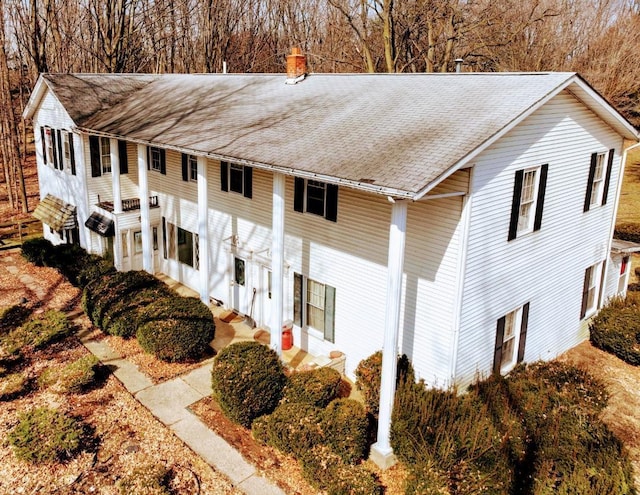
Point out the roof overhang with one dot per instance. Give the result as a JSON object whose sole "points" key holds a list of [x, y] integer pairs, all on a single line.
{"points": [[618, 246], [56, 213], [37, 94], [100, 224]]}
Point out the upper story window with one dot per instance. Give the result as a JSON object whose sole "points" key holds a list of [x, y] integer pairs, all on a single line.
{"points": [[100, 151], [155, 159], [57, 149], [510, 339], [105, 155], [316, 197], [68, 154], [47, 135], [599, 179], [236, 178], [528, 200], [189, 168]]}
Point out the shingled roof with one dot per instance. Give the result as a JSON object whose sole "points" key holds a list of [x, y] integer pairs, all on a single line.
{"points": [[395, 134]]}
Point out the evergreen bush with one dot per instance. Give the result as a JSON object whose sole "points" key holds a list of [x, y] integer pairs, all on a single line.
{"points": [[345, 425], [325, 470], [46, 435], [150, 479], [91, 268], [37, 251], [247, 379], [75, 377], [317, 387], [627, 232], [616, 328], [176, 328]]}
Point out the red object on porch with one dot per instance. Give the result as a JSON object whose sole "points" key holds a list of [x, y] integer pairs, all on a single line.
{"points": [[287, 335]]}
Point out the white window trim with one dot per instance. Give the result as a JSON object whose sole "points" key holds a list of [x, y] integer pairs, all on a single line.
{"points": [[155, 165], [596, 277], [192, 168], [506, 367], [528, 227], [66, 150], [48, 141]]}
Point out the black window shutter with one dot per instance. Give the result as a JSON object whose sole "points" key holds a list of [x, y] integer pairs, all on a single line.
{"points": [[331, 208], [44, 145], [60, 155], [585, 292], [185, 167], [163, 161], [297, 299], [298, 194], [122, 155], [248, 182], [94, 151], [592, 173], [72, 154], [497, 355], [224, 176], [515, 205], [542, 187], [54, 145], [607, 178], [329, 313], [164, 238], [523, 332], [148, 157]]}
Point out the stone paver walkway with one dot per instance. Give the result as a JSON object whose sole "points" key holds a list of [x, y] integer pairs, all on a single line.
{"points": [[169, 402]]}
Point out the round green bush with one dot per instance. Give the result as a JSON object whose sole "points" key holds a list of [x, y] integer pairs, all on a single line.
{"points": [[177, 329], [317, 387], [616, 328], [247, 379], [46, 435], [345, 425], [325, 470], [291, 428], [37, 251], [93, 267]]}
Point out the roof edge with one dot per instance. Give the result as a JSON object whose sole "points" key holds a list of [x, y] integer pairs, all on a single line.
{"points": [[36, 96]]}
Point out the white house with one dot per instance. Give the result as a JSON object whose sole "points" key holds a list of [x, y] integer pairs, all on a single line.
{"points": [[463, 219]]}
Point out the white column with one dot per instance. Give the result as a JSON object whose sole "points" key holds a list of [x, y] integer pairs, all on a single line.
{"points": [[381, 451], [115, 175], [203, 230], [277, 263], [145, 221]]}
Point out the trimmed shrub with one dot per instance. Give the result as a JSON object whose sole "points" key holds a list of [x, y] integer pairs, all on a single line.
{"points": [[150, 479], [12, 317], [12, 385], [37, 251], [325, 470], [317, 387], [627, 232], [176, 329], [616, 328], [291, 428], [368, 375], [74, 377], [345, 423], [92, 268], [247, 381], [38, 332], [46, 435]]}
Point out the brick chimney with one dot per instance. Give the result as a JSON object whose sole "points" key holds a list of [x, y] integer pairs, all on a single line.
{"points": [[296, 66]]}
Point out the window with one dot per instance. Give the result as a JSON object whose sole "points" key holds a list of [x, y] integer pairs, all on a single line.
{"points": [[189, 168], [316, 197], [591, 290], [155, 159], [182, 245], [314, 304], [171, 242], [239, 271], [185, 247], [599, 179], [137, 242], [125, 244], [69, 158], [48, 141], [528, 200], [236, 178], [105, 155], [154, 237], [510, 339], [624, 269]]}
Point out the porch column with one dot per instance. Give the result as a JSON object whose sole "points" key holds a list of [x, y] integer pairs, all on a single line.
{"points": [[115, 176], [277, 263], [203, 230], [145, 221], [381, 451]]}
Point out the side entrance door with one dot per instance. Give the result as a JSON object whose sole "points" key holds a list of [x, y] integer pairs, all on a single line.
{"points": [[239, 282]]}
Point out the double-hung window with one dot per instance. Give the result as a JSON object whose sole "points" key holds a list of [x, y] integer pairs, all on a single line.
{"points": [[189, 168], [314, 305], [624, 272], [236, 178], [599, 179], [591, 290], [319, 198], [528, 200], [105, 155], [181, 244], [155, 159], [510, 339], [68, 154], [100, 153]]}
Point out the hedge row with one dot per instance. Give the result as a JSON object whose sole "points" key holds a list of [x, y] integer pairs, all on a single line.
{"points": [[627, 232], [616, 328]]}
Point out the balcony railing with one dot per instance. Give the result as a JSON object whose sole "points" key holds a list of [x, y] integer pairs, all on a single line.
{"points": [[129, 204]]}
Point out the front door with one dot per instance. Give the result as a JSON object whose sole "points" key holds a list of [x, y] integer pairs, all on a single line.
{"points": [[265, 296], [240, 299], [136, 252]]}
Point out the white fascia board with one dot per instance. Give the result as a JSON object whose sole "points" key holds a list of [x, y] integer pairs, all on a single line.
{"points": [[37, 94]]}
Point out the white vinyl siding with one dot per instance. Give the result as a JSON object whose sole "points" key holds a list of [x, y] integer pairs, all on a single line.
{"points": [[546, 269]]}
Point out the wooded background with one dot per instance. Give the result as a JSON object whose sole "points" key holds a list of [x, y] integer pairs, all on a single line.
{"points": [[600, 39]]}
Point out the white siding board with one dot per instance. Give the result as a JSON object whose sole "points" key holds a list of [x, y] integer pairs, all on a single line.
{"points": [[545, 268]]}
